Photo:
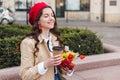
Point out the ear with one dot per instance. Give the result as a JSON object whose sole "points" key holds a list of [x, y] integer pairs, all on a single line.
{"points": [[39, 27]]}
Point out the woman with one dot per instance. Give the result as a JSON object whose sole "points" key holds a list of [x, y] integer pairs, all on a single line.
{"points": [[37, 60]]}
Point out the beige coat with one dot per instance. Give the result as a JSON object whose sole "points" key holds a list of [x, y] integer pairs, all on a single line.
{"points": [[29, 60]]}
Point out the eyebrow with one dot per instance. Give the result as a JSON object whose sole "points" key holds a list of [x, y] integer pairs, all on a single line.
{"points": [[48, 14]]}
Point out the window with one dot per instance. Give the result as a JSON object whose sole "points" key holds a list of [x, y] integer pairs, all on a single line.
{"points": [[113, 2], [80, 5], [1, 10], [84, 5], [72, 5], [23, 5]]}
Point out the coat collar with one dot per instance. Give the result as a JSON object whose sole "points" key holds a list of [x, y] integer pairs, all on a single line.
{"points": [[53, 38]]}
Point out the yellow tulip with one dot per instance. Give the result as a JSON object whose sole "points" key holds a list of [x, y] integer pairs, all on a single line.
{"points": [[63, 59], [73, 54], [65, 55]]}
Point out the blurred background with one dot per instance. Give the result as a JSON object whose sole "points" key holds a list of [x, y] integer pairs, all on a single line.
{"points": [[100, 16], [107, 11]]}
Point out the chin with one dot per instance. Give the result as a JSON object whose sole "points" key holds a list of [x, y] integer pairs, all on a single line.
{"points": [[51, 27]]}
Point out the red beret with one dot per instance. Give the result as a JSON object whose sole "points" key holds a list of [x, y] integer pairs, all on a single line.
{"points": [[35, 10]]}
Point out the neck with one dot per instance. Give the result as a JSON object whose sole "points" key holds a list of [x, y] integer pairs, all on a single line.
{"points": [[45, 34]]}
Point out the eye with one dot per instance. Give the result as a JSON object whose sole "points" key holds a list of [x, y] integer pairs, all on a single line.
{"points": [[46, 15]]}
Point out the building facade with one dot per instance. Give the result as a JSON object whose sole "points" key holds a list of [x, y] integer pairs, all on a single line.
{"points": [[90, 10]]}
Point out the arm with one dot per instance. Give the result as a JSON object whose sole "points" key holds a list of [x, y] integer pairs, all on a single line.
{"points": [[28, 67]]}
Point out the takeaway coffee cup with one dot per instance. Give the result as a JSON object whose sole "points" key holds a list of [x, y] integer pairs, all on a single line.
{"points": [[57, 50]]}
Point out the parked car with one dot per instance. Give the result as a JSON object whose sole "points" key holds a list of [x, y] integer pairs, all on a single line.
{"points": [[6, 16]]}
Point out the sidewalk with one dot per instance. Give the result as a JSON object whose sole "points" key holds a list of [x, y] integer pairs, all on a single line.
{"points": [[85, 23]]}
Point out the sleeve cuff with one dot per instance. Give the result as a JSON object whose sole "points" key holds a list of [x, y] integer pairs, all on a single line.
{"points": [[41, 69], [70, 73]]}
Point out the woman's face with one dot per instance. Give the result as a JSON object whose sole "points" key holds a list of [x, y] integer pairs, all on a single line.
{"points": [[47, 19]]}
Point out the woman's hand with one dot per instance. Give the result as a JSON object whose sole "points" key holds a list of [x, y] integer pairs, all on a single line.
{"points": [[65, 70], [52, 61]]}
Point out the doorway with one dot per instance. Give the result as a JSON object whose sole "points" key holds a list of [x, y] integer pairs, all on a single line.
{"points": [[60, 8]]}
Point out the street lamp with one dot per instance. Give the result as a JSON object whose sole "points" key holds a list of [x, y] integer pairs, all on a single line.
{"points": [[103, 17], [27, 12]]}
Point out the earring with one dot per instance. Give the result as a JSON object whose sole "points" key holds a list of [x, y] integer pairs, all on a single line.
{"points": [[39, 27]]}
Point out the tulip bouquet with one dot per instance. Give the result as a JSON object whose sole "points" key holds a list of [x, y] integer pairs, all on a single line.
{"points": [[67, 60]]}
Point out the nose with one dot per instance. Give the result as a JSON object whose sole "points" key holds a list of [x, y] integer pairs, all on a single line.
{"points": [[52, 18]]}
